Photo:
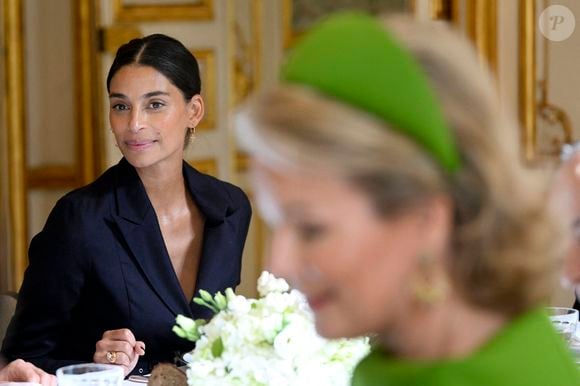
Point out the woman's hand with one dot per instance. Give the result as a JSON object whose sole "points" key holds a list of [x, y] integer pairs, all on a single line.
{"points": [[21, 371], [119, 347]]}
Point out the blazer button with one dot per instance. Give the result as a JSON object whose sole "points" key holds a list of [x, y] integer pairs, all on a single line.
{"points": [[140, 370]]}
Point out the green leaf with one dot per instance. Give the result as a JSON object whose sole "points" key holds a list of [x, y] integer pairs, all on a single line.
{"points": [[217, 348]]}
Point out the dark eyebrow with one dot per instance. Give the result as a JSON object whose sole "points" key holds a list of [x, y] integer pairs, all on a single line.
{"points": [[155, 93], [148, 95], [576, 223]]}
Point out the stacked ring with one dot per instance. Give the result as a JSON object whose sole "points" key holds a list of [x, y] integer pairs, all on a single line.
{"points": [[111, 356]]}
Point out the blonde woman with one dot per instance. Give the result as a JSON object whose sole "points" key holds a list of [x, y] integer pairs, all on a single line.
{"points": [[399, 206]]}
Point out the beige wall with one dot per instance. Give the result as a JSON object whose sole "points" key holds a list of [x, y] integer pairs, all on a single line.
{"points": [[50, 97], [564, 71], [507, 46]]}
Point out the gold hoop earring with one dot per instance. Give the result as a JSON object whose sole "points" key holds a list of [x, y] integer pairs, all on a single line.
{"points": [[427, 288]]}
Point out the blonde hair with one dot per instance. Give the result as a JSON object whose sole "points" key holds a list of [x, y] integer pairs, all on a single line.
{"points": [[504, 243]]}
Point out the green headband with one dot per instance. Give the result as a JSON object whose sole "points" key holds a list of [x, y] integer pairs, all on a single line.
{"points": [[351, 57]]}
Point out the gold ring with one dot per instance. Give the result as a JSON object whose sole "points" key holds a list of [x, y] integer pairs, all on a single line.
{"points": [[111, 356]]}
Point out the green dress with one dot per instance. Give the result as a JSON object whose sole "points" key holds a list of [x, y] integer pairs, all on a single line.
{"points": [[527, 352]]}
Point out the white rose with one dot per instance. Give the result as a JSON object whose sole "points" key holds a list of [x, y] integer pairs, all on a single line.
{"points": [[268, 283]]}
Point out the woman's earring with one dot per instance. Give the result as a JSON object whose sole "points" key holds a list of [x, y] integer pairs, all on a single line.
{"points": [[191, 133], [429, 288]]}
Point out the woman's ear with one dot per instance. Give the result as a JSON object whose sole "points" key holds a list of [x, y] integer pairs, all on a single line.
{"points": [[195, 110]]}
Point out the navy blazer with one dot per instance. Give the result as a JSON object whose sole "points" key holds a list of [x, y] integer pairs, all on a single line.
{"points": [[100, 263]]}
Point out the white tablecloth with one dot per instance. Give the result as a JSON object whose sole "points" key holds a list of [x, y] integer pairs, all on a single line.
{"points": [[131, 383]]}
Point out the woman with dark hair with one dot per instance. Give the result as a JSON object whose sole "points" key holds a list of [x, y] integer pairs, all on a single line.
{"points": [[118, 259]]}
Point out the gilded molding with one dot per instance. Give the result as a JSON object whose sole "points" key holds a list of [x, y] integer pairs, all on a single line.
{"points": [[246, 55], [88, 143], [288, 35], [481, 26], [53, 176], [242, 165], [114, 36], [16, 127], [257, 8], [527, 76], [200, 10], [207, 166], [207, 62]]}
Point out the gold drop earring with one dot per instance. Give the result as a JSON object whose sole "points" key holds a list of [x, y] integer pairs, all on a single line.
{"points": [[190, 134], [427, 288]]}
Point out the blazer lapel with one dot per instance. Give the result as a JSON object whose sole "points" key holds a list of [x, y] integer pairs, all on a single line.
{"points": [[216, 268], [138, 225]]}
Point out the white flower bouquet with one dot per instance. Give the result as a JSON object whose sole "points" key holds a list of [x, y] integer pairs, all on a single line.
{"points": [[265, 341]]}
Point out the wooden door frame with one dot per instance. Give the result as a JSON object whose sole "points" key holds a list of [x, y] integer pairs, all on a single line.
{"points": [[89, 143], [15, 126]]}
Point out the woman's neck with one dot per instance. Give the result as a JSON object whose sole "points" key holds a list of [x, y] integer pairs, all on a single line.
{"points": [[449, 330], [165, 188]]}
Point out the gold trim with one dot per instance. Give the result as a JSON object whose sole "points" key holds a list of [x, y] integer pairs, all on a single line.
{"points": [[289, 35], [440, 10], [246, 55], [201, 10], [20, 179], [256, 24], [412, 7], [206, 60], [16, 128], [455, 12], [115, 36], [88, 140], [482, 29], [242, 166], [527, 76], [287, 23], [53, 176], [206, 166], [231, 43], [242, 162], [261, 244]]}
